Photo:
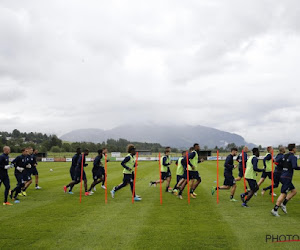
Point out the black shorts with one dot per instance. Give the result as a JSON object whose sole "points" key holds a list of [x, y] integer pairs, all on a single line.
{"points": [[229, 180], [253, 185], [185, 175], [287, 185], [20, 179], [77, 176], [266, 174], [5, 180], [194, 175], [178, 178], [241, 172], [128, 178], [34, 171], [98, 174], [72, 173], [169, 172], [276, 177], [26, 175], [165, 175]]}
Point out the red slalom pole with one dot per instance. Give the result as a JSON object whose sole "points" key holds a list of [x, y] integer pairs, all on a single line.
{"points": [[272, 176], [135, 173], [160, 182], [243, 162], [81, 177], [188, 176], [217, 176], [105, 178]]}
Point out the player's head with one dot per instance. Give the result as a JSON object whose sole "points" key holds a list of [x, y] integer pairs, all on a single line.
{"points": [[24, 151], [131, 149], [30, 150], [100, 151], [234, 151], [191, 149], [35, 151], [86, 152], [167, 151], [78, 151], [269, 149], [246, 149], [255, 152], [281, 150], [292, 147], [6, 150], [104, 150], [196, 147], [183, 153]]}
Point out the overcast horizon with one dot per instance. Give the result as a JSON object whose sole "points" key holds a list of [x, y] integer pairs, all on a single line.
{"points": [[230, 65]]}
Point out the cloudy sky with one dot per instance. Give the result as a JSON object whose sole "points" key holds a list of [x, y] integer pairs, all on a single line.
{"points": [[231, 65]]}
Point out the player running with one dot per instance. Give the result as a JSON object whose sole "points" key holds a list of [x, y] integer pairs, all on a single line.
{"points": [[128, 164], [31, 162], [179, 172], [75, 159], [193, 160], [165, 162], [77, 176], [240, 161], [267, 167], [104, 152], [19, 163], [288, 190], [229, 181], [4, 178], [250, 175], [98, 171], [278, 170], [34, 170]]}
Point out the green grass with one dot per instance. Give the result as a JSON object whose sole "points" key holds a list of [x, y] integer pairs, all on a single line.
{"points": [[51, 219]]}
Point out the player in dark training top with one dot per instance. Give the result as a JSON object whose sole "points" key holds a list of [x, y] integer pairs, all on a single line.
{"points": [[288, 190], [229, 181], [4, 178], [98, 171]]}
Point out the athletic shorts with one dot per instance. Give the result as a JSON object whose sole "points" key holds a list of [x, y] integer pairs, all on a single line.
{"points": [[34, 171], [266, 174], [241, 172], [185, 175], [4, 179], [20, 179], [165, 175], [287, 185], [252, 184], [195, 175], [229, 180], [169, 172], [98, 174], [128, 178], [72, 173], [178, 178], [276, 176], [77, 176], [26, 175]]}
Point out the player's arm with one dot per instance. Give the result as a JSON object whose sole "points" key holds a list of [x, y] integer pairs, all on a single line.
{"points": [[294, 163], [255, 165], [123, 163]]}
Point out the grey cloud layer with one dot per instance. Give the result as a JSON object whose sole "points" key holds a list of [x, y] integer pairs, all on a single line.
{"points": [[231, 65]]}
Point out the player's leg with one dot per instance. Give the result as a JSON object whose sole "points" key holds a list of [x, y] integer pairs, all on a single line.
{"points": [[6, 184]]}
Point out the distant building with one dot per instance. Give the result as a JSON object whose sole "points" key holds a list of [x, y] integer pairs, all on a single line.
{"points": [[204, 154]]}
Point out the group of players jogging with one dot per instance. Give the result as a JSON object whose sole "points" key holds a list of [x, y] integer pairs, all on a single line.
{"points": [[25, 166], [186, 172]]}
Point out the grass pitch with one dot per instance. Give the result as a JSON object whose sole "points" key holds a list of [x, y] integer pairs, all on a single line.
{"points": [[51, 219]]}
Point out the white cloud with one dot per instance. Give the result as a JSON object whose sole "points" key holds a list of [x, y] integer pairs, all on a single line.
{"points": [[231, 65]]}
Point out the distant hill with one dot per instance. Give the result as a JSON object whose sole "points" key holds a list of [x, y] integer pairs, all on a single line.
{"points": [[174, 136]]}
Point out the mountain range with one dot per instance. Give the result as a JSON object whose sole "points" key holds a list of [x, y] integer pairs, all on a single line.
{"points": [[174, 136]]}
